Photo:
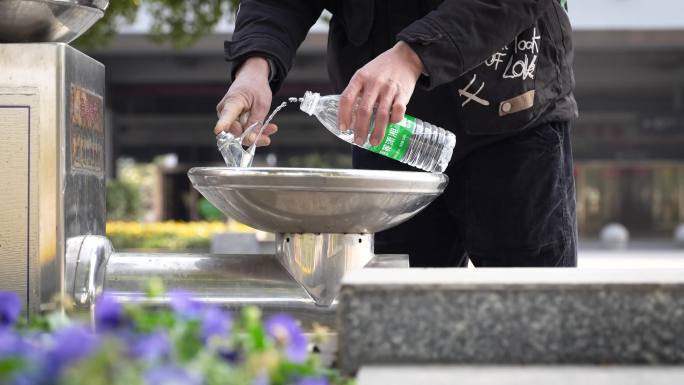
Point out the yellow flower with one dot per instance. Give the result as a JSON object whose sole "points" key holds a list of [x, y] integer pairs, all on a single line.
{"points": [[173, 235]]}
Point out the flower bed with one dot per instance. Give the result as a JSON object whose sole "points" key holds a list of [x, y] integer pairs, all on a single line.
{"points": [[188, 344], [171, 236]]}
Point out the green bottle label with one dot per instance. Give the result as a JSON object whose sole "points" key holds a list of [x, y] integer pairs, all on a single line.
{"points": [[397, 139]]}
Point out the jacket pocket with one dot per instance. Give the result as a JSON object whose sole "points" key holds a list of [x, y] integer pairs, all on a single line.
{"points": [[507, 92]]}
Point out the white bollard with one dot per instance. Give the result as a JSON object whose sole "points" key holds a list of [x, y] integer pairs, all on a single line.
{"points": [[679, 235], [614, 236]]}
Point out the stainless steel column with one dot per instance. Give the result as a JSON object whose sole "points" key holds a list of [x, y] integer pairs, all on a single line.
{"points": [[52, 180]]}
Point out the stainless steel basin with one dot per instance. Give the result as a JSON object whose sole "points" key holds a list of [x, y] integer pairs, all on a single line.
{"points": [[300, 200], [33, 21]]}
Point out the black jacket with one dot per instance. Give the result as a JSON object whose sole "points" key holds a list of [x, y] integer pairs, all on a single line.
{"points": [[492, 67]]}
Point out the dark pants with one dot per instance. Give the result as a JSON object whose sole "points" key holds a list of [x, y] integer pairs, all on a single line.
{"points": [[509, 203]]}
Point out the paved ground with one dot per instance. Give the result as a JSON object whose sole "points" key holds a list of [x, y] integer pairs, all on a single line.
{"points": [[638, 255]]}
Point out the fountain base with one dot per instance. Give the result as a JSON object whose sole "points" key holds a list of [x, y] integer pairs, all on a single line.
{"points": [[319, 261]]}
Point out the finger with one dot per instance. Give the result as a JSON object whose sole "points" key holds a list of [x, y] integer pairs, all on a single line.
{"points": [[258, 112], [232, 108], [347, 101], [382, 114], [236, 128], [251, 137], [263, 141], [243, 118], [219, 108], [364, 113], [270, 129], [398, 110]]}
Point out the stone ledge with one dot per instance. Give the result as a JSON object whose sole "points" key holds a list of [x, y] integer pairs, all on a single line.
{"points": [[520, 375], [511, 316]]}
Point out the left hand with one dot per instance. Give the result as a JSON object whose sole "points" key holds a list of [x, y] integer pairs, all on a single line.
{"points": [[387, 82]]}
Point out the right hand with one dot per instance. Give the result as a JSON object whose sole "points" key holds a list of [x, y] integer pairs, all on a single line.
{"points": [[247, 101]]}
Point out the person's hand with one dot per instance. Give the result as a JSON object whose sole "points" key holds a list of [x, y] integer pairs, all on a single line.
{"points": [[387, 82], [247, 101]]}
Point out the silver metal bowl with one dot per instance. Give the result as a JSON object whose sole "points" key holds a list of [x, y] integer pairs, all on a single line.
{"points": [[34, 21], [100, 4], [301, 200]]}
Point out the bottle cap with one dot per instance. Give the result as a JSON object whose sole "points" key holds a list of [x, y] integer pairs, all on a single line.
{"points": [[310, 102]]}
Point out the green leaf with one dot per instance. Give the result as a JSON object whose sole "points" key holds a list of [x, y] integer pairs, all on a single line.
{"points": [[288, 370], [35, 322], [57, 320], [255, 332], [217, 372], [108, 366], [187, 340], [9, 366], [258, 339], [148, 320], [155, 287]]}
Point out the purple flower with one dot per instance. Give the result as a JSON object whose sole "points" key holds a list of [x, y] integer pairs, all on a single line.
{"points": [[23, 379], [184, 305], [10, 308], [151, 347], [215, 322], [109, 314], [71, 344], [29, 350], [11, 343], [170, 375], [286, 332], [261, 379], [312, 381], [230, 356]]}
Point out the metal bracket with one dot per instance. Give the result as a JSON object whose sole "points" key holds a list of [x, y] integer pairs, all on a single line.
{"points": [[85, 267]]}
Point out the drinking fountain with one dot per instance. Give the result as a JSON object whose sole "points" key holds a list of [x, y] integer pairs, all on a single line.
{"points": [[324, 221], [52, 230]]}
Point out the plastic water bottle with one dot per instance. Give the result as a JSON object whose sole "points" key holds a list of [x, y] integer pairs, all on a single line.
{"points": [[411, 141]]}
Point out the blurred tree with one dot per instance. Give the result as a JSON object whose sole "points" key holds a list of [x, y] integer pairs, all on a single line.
{"points": [[179, 22], [119, 12]]}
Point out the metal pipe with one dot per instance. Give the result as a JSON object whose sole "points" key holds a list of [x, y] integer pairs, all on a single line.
{"points": [[231, 281]]}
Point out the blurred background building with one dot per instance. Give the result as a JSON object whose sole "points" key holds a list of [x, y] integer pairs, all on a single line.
{"points": [[628, 142]]}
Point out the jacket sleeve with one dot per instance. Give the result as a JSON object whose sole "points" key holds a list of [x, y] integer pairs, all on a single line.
{"points": [[460, 34], [273, 29]]}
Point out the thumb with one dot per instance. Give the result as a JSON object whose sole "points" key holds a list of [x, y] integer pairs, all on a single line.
{"points": [[230, 113]]}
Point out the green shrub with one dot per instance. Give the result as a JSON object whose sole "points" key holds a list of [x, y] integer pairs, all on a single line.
{"points": [[123, 201]]}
